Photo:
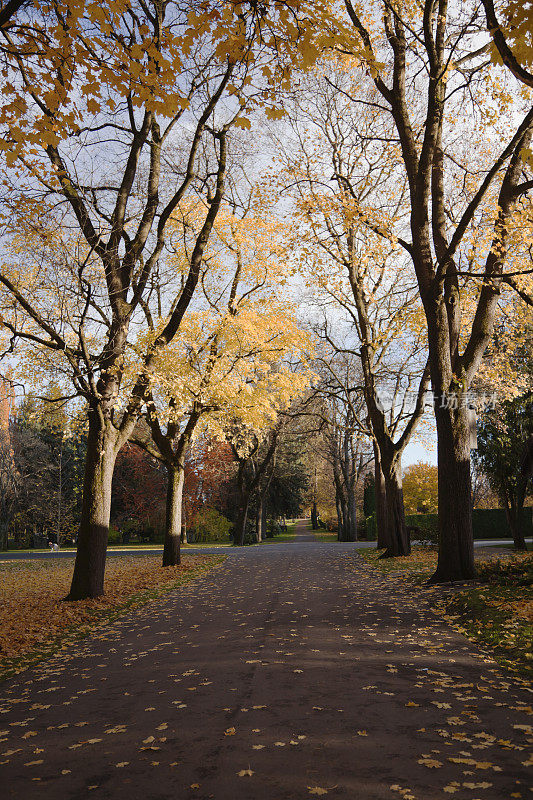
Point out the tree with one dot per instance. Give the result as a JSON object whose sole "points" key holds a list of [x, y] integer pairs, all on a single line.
{"points": [[138, 499], [254, 455], [519, 24], [42, 458], [502, 435], [420, 488], [355, 268], [97, 235], [429, 52], [209, 473], [230, 363], [8, 486], [288, 485], [346, 450]]}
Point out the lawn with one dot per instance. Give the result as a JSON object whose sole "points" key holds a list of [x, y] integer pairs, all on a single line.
{"points": [[288, 536], [495, 609], [34, 621]]}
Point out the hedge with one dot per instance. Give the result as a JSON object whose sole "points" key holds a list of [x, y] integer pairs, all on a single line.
{"points": [[488, 523]]}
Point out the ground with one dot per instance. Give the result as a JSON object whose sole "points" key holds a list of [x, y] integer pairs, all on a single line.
{"points": [[290, 671]]}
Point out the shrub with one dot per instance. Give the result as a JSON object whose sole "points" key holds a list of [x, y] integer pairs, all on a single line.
{"points": [[428, 525], [488, 523], [371, 528], [210, 526], [115, 536], [273, 528]]}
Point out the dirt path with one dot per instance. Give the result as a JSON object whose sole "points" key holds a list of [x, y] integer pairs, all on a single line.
{"points": [[294, 663], [303, 533]]}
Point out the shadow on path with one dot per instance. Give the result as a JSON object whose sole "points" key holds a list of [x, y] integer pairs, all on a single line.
{"points": [[290, 672]]}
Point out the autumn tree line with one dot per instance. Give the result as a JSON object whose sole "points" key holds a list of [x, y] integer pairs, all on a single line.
{"points": [[225, 220], [42, 457]]}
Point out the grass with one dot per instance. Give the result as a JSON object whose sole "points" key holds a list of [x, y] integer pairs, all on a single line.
{"points": [[34, 623], [498, 613], [289, 536], [119, 547], [495, 610], [324, 536], [420, 563]]}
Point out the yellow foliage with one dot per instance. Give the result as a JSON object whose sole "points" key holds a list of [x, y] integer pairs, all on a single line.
{"points": [[420, 488]]}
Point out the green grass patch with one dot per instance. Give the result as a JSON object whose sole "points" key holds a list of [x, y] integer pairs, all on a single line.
{"points": [[288, 536], [324, 536]]}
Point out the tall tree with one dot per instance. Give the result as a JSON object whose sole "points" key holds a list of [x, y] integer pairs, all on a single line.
{"points": [[230, 363], [254, 454], [335, 165], [432, 52], [97, 232]]}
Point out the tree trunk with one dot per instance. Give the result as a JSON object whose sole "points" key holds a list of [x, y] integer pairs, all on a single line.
{"points": [[264, 520], [259, 520], [351, 533], [240, 522], [314, 517], [456, 541], [381, 508], [514, 519], [339, 516], [397, 539], [4, 531], [89, 568], [171, 550], [343, 528], [5, 518]]}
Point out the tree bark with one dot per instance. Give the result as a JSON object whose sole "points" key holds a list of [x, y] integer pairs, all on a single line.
{"points": [[240, 522], [4, 532], [339, 516], [351, 533], [456, 541], [344, 516], [259, 520], [396, 537], [513, 512], [381, 507], [264, 520], [247, 487], [89, 567], [173, 533]]}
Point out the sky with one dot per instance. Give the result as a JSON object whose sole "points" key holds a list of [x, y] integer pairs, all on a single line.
{"points": [[416, 451]]}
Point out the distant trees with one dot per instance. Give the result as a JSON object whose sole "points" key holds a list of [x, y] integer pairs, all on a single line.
{"points": [[420, 488], [138, 496], [91, 250], [335, 165], [41, 467], [503, 434], [425, 76]]}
